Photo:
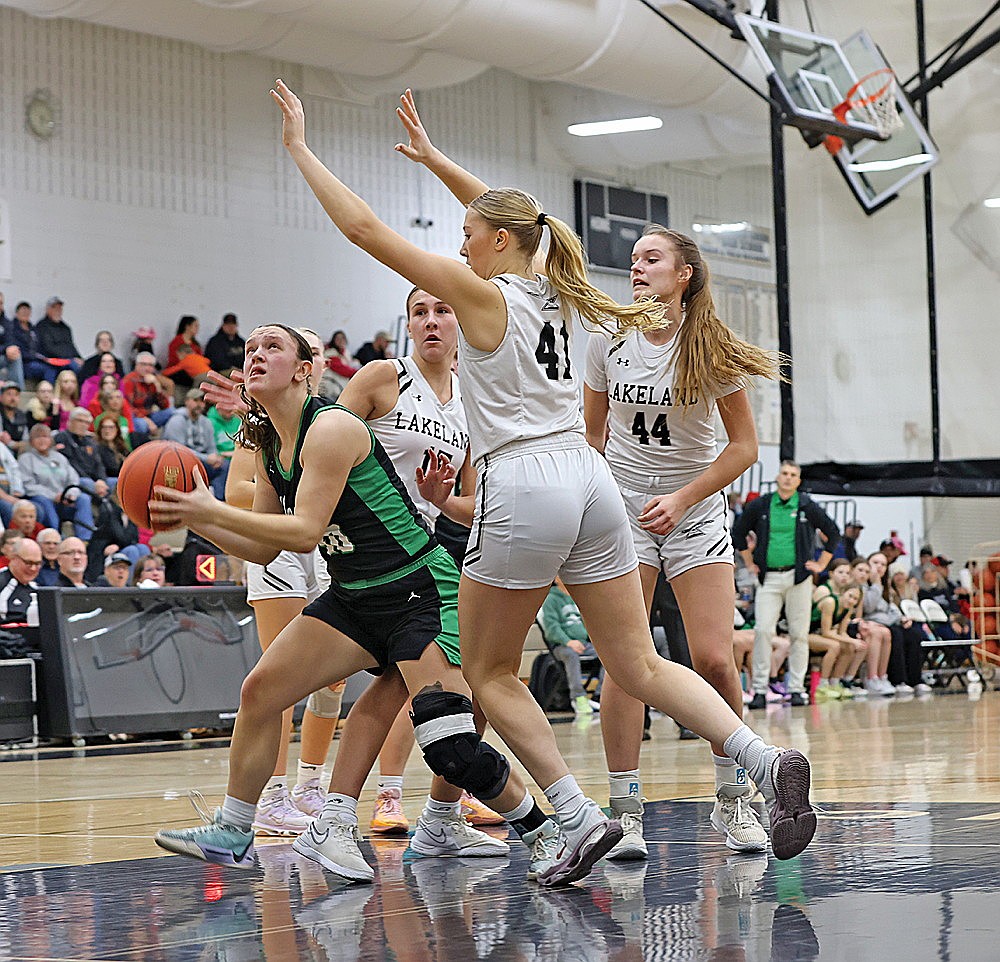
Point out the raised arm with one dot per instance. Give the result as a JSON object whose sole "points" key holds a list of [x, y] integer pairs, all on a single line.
{"points": [[479, 304], [465, 186]]}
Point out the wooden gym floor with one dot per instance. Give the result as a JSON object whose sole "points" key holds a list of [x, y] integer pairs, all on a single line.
{"points": [[905, 864]]}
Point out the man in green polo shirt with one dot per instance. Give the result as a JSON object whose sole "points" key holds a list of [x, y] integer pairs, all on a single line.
{"points": [[785, 526]]}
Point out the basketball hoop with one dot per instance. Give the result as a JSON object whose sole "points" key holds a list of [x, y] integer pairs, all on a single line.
{"points": [[880, 106]]}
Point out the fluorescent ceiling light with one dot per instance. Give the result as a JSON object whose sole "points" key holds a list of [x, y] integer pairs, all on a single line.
{"points": [[875, 166], [721, 228], [627, 125], [991, 202]]}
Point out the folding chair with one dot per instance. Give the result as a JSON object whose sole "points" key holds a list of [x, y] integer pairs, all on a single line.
{"points": [[946, 657]]}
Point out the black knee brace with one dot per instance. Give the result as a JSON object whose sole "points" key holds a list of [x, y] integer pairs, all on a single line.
{"points": [[445, 731]]}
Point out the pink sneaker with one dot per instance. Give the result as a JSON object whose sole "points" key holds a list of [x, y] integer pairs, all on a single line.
{"points": [[476, 813], [309, 798], [276, 815]]}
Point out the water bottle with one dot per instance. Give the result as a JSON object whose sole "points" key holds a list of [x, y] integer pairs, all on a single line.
{"points": [[974, 684], [31, 615]]}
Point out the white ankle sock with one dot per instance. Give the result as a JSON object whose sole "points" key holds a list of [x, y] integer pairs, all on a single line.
{"points": [[276, 783], [340, 808], [386, 782], [308, 773], [238, 814], [729, 774], [439, 809], [565, 796], [527, 803]]}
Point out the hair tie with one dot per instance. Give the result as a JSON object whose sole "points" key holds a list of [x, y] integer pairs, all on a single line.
{"points": [[540, 220]]}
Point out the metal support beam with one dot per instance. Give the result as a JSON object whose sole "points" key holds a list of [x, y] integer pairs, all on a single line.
{"points": [[927, 84], [932, 332], [786, 445]]}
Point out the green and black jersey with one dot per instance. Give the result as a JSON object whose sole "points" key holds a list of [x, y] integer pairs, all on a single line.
{"points": [[375, 533]]}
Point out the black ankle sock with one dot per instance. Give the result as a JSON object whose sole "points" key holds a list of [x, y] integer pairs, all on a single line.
{"points": [[534, 819]]}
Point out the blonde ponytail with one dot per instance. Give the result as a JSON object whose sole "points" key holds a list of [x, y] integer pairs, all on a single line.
{"points": [[522, 217]]}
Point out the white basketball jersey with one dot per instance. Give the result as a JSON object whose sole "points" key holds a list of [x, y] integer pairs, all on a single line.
{"points": [[654, 432], [420, 421], [527, 387]]}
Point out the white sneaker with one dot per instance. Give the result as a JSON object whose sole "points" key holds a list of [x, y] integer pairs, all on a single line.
{"points": [[454, 837], [887, 689], [588, 835], [309, 798], [903, 689], [276, 815], [628, 811], [334, 845], [873, 686], [922, 689], [734, 818]]}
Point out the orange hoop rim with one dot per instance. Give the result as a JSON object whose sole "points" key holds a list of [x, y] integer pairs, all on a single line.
{"points": [[834, 143]]}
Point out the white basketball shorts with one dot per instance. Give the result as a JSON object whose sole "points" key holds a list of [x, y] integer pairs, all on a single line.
{"points": [[701, 538], [547, 507], [290, 575]]}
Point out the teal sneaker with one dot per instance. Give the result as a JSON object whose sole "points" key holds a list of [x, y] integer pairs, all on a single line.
{"points": [[543, 843], [215, 842]]}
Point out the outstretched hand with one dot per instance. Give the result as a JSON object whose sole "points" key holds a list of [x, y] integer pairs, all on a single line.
{"points": [[420, 148], [224, 392], [437, 482], [293, 117]]}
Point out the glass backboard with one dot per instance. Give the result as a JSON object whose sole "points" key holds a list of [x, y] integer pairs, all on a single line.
{"points": [[812, 74]]}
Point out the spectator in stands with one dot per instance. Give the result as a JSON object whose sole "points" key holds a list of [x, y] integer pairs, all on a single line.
{"points": [[24, 518], [191, 366], [13, 421], [875, 634], [904, 586], [831, 615], [893, 551], [43, 408], [926, 554], [11, 484], [935, 586], [906, 655], [107, 368], [190, 427], [848, 544], [104, 343], [338, 359], [55, 340], [114, 533], [11, 365], [785, 525], [961, 627], [117, 569], [49, 541], [377, 349], [186, 337], [225, 348], [142, 342], [79, 446], [18, 585], [67, 393], [8, 540], [150, 394], [52, 483], [24, 336], [565, 630], [226, 424], [72, 564], [112, 448], [113, 407], [150, 573]]}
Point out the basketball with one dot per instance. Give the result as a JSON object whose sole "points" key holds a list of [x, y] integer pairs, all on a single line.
{"points": [[165, 463]]}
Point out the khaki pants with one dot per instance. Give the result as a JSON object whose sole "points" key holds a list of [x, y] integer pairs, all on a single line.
{"points": [[779, 589]]}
